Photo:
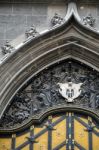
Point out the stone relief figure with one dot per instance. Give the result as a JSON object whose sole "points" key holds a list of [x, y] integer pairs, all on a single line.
{"points": [[32, 32], [89, 21], [44, 99], [7, 48], [97, 101], [19, 111], [56, 20], [44, 92]]}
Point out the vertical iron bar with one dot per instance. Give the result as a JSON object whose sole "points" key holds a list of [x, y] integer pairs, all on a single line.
{"points": [[50, 134], [31, 135], [72, 130], [13, 141], [90, 133], [67, 131]]}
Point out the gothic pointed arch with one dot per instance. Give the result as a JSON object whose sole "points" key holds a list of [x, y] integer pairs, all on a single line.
{"points": [[69, 40], [49, 88], [44, 94]]}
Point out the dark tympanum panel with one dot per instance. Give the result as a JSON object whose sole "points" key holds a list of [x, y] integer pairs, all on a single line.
{"points": [[65, 84]]}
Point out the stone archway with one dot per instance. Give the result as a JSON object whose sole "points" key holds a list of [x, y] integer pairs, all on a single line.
{"points": [[31, 89], [49, 90]]}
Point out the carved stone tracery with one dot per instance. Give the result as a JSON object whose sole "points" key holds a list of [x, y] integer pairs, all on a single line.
{"points": [[42, 92]]}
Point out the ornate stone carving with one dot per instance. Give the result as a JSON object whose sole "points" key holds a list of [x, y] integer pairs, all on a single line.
{"points": [[97, 101], [43, 93], [32, 32], [89, 21], [7, 48], [56, 20]]}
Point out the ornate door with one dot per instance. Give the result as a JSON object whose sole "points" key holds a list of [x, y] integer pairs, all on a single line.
{"points": [[66, 131]]}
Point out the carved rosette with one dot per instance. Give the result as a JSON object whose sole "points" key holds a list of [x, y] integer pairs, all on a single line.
{"points": [[43, 93]]}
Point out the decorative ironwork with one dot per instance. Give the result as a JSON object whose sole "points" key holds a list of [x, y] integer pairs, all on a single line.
{"points": [[56, 20], [32, 32], [43, 93], [7, 48], [89, 21], [31, 139]]}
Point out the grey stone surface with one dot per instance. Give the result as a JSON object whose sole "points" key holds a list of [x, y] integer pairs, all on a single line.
{"points": [[33, 1], [14, 32], [5, 9], [85, 9], [39, 9], [17, 16], [24, 9]]}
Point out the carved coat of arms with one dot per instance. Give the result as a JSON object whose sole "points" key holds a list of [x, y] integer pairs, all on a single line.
{"points": [[70, 90]]}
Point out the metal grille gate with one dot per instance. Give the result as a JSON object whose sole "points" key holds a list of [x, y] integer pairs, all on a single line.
{"points": [[69, 131]]}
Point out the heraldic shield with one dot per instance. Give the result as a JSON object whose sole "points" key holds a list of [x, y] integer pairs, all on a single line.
{"points": [[70, 90]]}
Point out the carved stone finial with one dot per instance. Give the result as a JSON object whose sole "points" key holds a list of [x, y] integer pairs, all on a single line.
{"points": [[56, 20], [89, 21], [32, 32], [7, 48]]}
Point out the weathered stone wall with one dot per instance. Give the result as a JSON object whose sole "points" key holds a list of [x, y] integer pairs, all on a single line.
{"points": [[17, 16], [93, 9]]}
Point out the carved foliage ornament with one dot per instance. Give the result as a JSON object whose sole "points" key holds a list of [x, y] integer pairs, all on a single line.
{"points": [[89, 21], [56, 20], [32, 32], [67, 83], [7, 48]]}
